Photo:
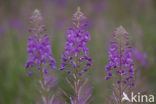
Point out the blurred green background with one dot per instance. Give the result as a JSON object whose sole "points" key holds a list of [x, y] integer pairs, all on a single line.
{"points": [[137, 16]]}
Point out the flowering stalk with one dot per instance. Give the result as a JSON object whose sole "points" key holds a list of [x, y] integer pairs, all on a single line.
{"points": [[120, 85], [121, 62], [75, 57], [39, 53]]}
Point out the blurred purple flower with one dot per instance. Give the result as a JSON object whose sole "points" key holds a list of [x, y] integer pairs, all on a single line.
{"points": [[140, 57], [16, 24], [120, 58]]}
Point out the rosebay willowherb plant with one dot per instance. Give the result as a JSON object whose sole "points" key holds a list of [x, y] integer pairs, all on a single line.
{"points": [[40, 56], [75, 58], [121, 64]]}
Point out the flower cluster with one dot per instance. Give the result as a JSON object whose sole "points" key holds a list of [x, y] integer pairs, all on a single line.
{"points": [[39, 48], [76, 51], [120, 58]]}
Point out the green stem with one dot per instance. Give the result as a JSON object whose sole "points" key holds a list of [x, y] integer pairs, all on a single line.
{"points": [[120, 85], [76, 81], [44, 85], [76, 73]]}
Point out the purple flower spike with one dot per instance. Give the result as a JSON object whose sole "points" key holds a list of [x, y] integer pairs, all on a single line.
{"points": [[39, 48], [120, 57], [76, 44], [40, 57], [75, 57]]}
